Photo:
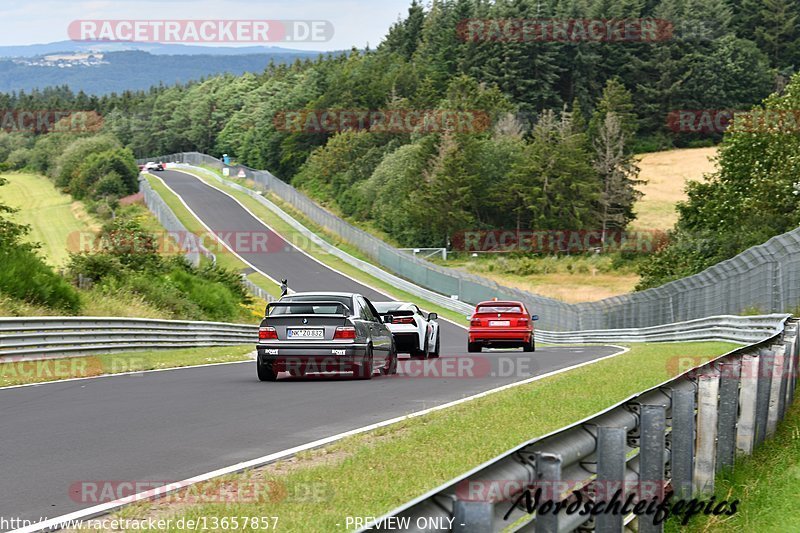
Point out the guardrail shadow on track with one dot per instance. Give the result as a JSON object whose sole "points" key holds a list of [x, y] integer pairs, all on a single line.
{"points": [[672, 439]]}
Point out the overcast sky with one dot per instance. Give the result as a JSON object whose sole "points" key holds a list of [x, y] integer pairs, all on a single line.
{"points": [[356, 22]]}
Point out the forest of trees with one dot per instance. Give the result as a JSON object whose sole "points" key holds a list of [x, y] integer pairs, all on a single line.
{"points": [[567, 117]]}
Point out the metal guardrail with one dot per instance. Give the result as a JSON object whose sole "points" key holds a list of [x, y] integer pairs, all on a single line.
{"points": [[765, 278], [67, 336], [740, 329], [60, 336], [673, 438]]}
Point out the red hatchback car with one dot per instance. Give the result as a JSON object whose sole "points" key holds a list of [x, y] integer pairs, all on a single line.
{"points": [[501, 324]]}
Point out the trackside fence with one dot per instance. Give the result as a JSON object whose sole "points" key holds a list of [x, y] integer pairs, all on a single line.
{"points": [[665, 444], [765, 278]]}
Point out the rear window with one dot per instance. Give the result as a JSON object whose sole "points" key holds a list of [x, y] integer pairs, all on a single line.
{"points": [[495, 309], [278, 310], [385, 307]]}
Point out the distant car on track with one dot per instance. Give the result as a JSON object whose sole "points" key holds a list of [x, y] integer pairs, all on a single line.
{"points": [[158, 167], [324, 332], [499, 324], [415, 332]]}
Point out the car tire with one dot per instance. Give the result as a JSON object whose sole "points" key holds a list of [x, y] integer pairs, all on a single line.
{"points": [[530, 346], [426, 352], [474, 347], [391, 367], [435, 353], [266, 372], [364, 371]]}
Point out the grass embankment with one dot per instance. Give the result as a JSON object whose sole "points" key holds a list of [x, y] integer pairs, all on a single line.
{"points": [[369, 474], [767, 485], [56, 220], [25, 372], [297, 239]]}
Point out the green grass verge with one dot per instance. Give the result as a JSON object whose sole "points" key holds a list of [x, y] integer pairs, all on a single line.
{"points": [[297, 239], [369, 474], [56, 220], [225, 258], [24, 372], [766, 483]]}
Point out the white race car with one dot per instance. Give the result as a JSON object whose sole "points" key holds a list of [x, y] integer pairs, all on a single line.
{"points": [[415, 333]]}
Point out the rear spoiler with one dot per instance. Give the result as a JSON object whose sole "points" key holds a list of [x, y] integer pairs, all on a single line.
{"points": [[341, 309], [400, 312]]}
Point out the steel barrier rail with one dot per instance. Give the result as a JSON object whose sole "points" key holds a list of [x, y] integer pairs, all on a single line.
{"points": [[54, 336], [672, 438]]}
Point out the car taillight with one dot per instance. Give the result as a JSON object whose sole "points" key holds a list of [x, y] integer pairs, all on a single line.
{"points": [[476, 321], [405, 320], [522, 321], [268, 333], [344, 333]]}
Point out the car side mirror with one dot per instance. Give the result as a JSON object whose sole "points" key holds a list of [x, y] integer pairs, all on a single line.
{"points": [[433, 316], [468, 317], [535, 318], [388, 319]]}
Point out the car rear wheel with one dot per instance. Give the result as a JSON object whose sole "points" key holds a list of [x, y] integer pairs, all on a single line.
{"points": [[530, 346], [435, 352], [364, 370], [391, 366], [266, 372], [474, 347]]}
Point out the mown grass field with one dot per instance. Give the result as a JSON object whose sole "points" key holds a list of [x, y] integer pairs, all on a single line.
{"points": [[371, 473], [55, 219]]}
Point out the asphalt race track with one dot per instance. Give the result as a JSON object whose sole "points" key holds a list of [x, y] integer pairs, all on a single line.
{"points": [[172, 425]]}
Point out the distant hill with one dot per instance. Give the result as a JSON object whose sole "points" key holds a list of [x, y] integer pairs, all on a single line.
{"points": [[33, 50], [102, 73]]}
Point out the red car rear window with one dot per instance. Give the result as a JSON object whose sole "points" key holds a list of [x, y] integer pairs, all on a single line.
{"points": [[494, 309]]}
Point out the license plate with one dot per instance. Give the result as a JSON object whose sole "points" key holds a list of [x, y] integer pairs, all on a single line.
{"points": [[499, 323], [306, 334]]}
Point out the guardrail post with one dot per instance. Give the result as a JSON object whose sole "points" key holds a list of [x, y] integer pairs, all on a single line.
{"points": [[707, 398], [775, 389], [652, 445], [766, 361], [610, 474], [791, 384], [548, 470], [728, 409], [748, 397], [682, 441], [472, 517]]}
